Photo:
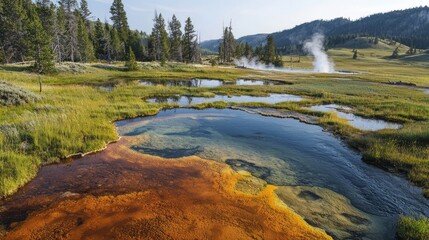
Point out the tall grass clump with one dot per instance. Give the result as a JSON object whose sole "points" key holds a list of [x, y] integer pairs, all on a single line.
{"points": [[410, 228]]}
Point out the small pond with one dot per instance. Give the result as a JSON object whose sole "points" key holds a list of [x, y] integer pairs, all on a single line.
{"points": [[207, 83], [188, 100], [356, 121]]}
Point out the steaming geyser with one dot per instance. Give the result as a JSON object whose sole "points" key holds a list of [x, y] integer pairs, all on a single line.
{"points": [[321, 63]]}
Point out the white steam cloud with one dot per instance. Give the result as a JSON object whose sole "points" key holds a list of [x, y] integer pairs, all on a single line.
{"points": [[321, 63], [252, 63]]}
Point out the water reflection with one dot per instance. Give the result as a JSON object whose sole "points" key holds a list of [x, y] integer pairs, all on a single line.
{"points": [[209, 83], [356, 121], [189, 100]]}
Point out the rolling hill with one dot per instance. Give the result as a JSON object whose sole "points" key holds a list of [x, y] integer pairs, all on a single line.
{"points": [[410, 26]]}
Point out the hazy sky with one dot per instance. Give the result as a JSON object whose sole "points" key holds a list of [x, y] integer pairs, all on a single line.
{"points": [[248, 16]]}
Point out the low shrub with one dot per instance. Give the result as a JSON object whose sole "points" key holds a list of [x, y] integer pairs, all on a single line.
{"points": [[11, 95]]}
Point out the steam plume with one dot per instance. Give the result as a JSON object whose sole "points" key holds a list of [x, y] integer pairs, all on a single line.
{"points": [[321, 63], [252, 63]]}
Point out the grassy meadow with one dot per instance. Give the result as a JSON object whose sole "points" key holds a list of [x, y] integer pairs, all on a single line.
{"points": [[72, 115]]}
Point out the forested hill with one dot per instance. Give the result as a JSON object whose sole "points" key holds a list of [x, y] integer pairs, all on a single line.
{"points": [[410, 26]]}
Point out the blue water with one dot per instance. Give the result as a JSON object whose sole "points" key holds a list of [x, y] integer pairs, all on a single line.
{"points": [[208, 83], [189, 100], [356, 121], [282, 152]]}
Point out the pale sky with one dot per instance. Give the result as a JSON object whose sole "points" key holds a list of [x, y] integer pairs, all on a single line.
{"points": [[248, 16]]}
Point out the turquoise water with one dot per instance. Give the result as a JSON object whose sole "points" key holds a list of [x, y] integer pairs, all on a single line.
{"points": [[282, 152], [188, 100]]}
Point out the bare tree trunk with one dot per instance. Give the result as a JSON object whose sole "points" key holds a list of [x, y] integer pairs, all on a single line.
{"points": [[40, 83]]}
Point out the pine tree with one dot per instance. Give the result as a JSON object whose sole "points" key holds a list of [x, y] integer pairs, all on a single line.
{"points": [[108, 50], [131, 63], [228, 45], [84, 11], [248, 50], [176, 39], [41, 44], [120, 21], [188, 41], [155, 39], [46, 13], [159, 40], [85, 47], [270, 50], [259, 52], [59, 39], [231, 44], [224, 46], [11, 37], [137, 43], [117, 50], [239, 50], [71, 27], [165, 43], [100, 40]]}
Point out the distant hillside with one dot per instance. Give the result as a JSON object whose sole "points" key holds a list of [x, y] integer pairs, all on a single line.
{"points": [[211, 45], [304, 31], [410, 26], [254, 40]]}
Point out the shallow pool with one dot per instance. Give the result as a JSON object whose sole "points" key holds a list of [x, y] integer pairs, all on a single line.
{"points": [[282, 152], [189, 100], [354, 120], [208, 83]]}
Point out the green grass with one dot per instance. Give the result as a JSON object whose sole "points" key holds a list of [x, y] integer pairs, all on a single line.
{"points": [[72, 116], [410, 228]]}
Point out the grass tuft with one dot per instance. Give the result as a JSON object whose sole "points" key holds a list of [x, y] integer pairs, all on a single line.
{"points": [[410, 228]]}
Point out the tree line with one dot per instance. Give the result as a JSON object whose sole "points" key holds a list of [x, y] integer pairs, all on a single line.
{"points": [[230, 49], [49, 33]]}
